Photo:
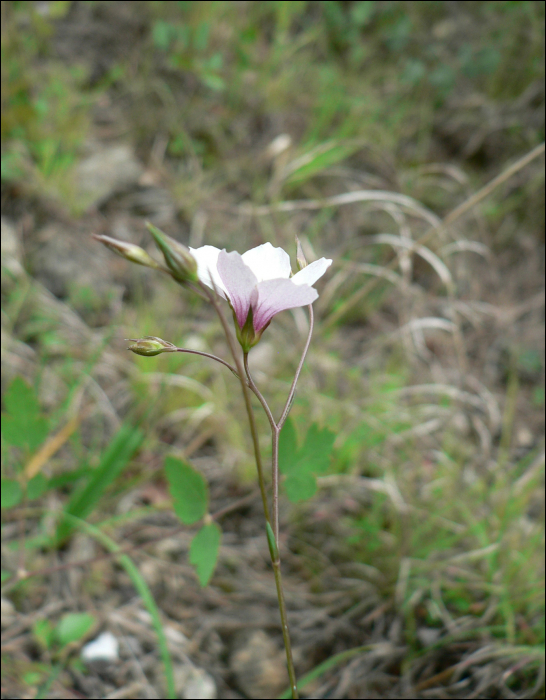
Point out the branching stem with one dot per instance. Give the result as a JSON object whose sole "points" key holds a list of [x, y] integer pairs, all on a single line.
{"points": [[276, 427]]}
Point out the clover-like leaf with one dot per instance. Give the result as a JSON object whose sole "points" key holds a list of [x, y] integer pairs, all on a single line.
{"points": [[204, 551], [189, 490]]}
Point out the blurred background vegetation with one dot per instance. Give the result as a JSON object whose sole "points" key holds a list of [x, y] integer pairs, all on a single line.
{"points": [[363, 128]]}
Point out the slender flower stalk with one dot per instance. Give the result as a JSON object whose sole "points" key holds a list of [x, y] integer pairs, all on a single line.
{"points": [[257, 285]]}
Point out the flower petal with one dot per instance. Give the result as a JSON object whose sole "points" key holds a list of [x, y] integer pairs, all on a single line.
{"points": [[277, 295], [207, 267], [310, 274], [268, 262], [239, 282]]}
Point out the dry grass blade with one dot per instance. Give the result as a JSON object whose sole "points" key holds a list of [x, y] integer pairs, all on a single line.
{"points": [[50, 447], [464, 246], [402, 200], [434, 261]]}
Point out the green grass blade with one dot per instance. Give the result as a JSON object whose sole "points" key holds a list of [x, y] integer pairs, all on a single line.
{"points": [[142, 587], [321, 669], [122, 447]]}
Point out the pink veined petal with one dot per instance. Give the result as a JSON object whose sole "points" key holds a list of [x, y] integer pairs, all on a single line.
{"points": [[239, 282], [278, 295], [310, 274], [207, 264], [268, 262]]}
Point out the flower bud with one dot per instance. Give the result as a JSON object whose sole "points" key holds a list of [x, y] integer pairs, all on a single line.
{"points": [[129, 251], [150, 346], [300, 257], [179, 260]]}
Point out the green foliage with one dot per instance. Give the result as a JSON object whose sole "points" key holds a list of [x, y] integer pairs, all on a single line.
{"points": [[188, 489], [272, 544], [364, 89], [45, 104], [301, 465], [190, 493], [12, 493], [37, 486], [43, 633], [114, 460], [72, 627], [318, 159], [142, 589], [22, 424], [204, 551], [186, 47]]}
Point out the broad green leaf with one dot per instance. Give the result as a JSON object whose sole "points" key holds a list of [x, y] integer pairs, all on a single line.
{"points": [[37, 486], [301, 466], [122, 447], [72, 627], [315, 454], [288, 447], [204, 551], [12, 493], [22, 424], [189, 490], [300, 487]]}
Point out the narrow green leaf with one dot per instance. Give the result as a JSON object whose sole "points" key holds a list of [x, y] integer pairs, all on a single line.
{"points": [[122, 447], [143, 590], [319, 159], [288, 447], [22, 424], [271, 541], [72, 627], [189, 490], [12, 493], [325, 666], [204, 551]]}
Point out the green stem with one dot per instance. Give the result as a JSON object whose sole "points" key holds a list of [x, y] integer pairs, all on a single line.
{"points": [[274, 552], [284, 623], [275, 432]]}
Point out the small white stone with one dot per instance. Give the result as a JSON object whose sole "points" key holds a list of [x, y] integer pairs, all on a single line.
{"points": [[104, 648], [279, 144], [524, 437]]}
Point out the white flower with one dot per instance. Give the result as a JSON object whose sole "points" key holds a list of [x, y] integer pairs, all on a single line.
{"points": [[258, 280]]}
